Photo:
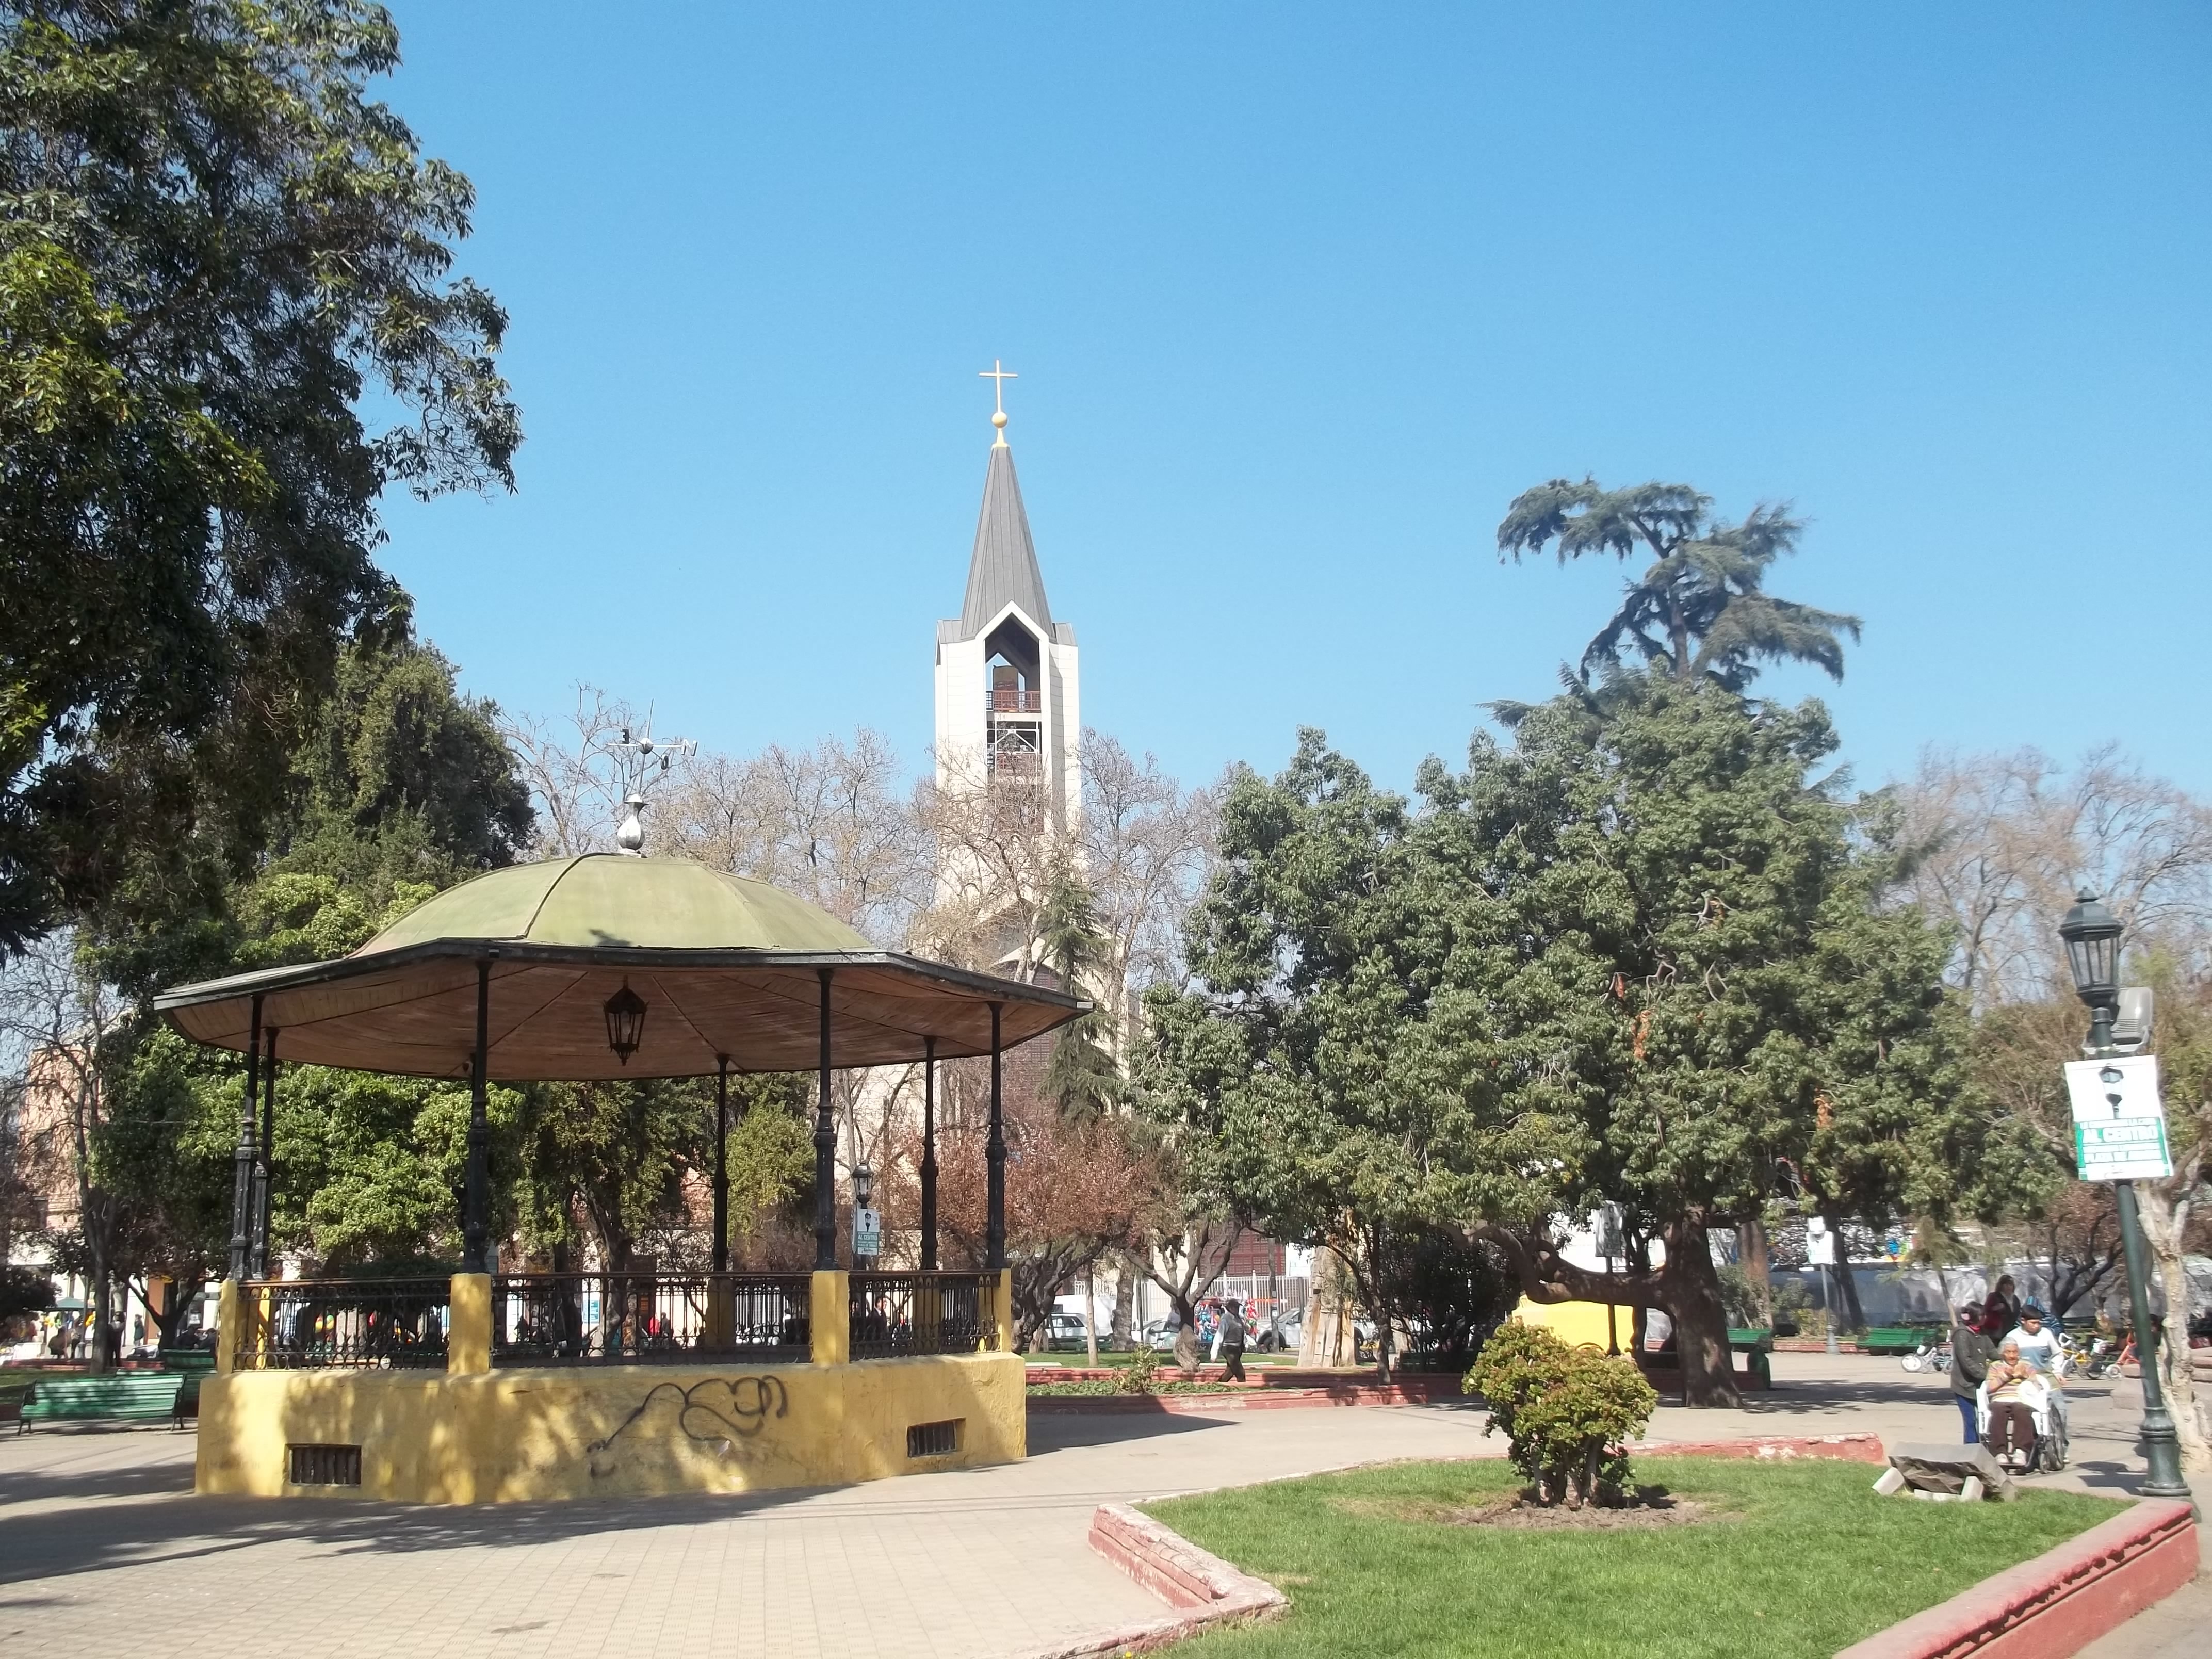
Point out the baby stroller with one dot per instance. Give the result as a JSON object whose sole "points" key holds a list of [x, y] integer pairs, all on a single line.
{"points": [[2047, 1406]]}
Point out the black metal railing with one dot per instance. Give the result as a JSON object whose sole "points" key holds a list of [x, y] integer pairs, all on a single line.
{"points": [[359, 1324], [604, 1318], [894, 1315]]}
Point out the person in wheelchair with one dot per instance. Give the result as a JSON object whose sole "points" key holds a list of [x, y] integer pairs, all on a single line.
{"points": [[2041, 1346], [2009, 1398]]}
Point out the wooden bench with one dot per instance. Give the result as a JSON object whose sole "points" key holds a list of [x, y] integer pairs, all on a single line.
{"points": [[1898, 1339], [123, 1397]]}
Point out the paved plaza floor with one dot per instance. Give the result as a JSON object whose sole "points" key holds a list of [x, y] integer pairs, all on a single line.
{"points": [[101, 1539]]}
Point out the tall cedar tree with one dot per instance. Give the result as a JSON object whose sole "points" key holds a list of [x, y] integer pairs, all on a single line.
{"points": [[1700, 609]]}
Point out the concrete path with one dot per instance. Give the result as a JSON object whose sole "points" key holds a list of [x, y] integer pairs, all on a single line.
{"points": [[102, 1542]]}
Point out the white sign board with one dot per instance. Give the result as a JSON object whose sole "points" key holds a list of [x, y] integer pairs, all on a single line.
{"points": [[2119, 1125], [1820, 1244], [867, 1232]]}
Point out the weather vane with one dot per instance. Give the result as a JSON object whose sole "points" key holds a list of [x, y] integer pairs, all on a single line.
{"points": [[635, 755]]}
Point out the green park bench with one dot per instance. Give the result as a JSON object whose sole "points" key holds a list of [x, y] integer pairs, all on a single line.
{"points": [[1758, 1343], [194, 1365], [1896, 1338], [124, 1397]]}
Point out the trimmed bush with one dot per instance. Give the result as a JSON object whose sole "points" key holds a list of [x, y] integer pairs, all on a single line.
{"points": [[1568, 1413]]}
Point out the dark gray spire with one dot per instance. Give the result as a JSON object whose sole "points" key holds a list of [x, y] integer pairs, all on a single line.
{"points": [[1003, 566]]}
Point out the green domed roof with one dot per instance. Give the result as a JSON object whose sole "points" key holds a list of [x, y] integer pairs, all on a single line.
{"points": [[606, 899]]}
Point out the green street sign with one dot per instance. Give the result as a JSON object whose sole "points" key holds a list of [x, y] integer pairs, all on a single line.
{"points": [[2119, 1120]]}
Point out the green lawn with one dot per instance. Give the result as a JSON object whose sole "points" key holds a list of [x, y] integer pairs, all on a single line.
{"points": [[1801, 1559]]}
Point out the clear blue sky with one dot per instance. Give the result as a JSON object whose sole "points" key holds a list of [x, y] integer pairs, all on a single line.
{"points": [[1300, 297]]}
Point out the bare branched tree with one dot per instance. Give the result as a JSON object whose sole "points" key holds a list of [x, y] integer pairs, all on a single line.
{"points": [[2003, 844], [574, 777], [836, 824], [55, 1018]]}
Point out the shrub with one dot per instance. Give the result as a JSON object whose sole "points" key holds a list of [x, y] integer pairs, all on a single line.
{"points": [[1568, 1413], [1141, 1374]]}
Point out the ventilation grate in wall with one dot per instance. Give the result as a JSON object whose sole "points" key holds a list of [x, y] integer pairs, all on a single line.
{"points": [[933, 1439], [325, 1465]]}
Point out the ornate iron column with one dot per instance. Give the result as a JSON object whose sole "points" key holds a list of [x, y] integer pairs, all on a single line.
{"points": [[241, 1192], [265, 1163], [476, 1211], [995, 1157], [825, 1156], [928, 1154], [722, 1165]]}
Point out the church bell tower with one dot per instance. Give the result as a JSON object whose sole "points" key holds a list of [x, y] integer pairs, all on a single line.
{"points": [[1008, 707]]}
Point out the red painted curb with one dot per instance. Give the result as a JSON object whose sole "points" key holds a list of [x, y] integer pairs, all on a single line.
{"points": [[1253, 1399], [1851, 1447], [1204, 1589], [2061, 1602]]}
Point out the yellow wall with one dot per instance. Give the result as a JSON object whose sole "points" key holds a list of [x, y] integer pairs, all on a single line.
{"points": [[1581, 1322], [617, 1431]]}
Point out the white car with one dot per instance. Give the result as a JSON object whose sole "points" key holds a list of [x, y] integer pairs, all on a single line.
{"points": [[1064, 1330]]}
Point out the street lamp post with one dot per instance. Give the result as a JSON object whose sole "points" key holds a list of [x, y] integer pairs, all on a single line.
{"points": [[2091, 933]]}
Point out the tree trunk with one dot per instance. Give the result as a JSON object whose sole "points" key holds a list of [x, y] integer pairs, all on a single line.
{"points": [[1186, 1342], [1847, 1283], [2165, 1225], [1694, 1303], [1126, 1275], [1751, 1249]]}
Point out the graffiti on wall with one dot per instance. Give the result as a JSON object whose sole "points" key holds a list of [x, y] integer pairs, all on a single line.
{"points": [[720, 1415]]}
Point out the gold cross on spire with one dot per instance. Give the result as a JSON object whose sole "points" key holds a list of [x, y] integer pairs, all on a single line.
{"points": [[998, 375]]}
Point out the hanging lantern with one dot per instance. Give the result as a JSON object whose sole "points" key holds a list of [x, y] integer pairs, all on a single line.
{"points": [[625, 1022]]}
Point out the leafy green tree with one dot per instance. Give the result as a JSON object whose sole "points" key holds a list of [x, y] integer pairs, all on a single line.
{"points": [[1642, 955], [402, 787], [217, 253], [1312, 1084], [1081, 1076], [607, 1162], [1700, 609]]}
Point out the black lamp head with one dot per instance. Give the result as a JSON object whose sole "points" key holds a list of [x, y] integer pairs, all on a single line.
{"points": [[2091, 933], [625, 1022]]}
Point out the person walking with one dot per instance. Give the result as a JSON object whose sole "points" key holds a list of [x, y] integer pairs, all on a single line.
{"points": [[2001, 1311], [1232, 1342], [2012, 1421], [1971, 1354]]}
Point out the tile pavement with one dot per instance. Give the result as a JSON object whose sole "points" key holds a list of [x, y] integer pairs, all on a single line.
{"points": [[101, 1540]]}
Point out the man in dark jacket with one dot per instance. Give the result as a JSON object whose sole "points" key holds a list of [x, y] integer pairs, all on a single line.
{"points": [[1232, 1342], [1970, 1354]]}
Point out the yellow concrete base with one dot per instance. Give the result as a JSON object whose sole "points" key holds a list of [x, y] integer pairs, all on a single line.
{"points": [[1581, 1322], [542, 1432]]}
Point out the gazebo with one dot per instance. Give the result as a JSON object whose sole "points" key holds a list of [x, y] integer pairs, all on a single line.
{"points": [[512, 1385]]}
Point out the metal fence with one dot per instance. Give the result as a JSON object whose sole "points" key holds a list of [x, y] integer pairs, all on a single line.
{"points": [[606, 1318], [897, 1314], [361, 1324]]}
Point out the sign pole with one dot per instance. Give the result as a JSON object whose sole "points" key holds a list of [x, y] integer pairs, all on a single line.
{"points": [[2161, 1444]]}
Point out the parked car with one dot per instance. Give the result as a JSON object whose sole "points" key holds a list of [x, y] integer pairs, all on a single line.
{"points": [[1160, 1334], [1065, 1331]]}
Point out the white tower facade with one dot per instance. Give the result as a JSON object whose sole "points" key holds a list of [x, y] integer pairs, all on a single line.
{"points": [[1009, 696]]}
